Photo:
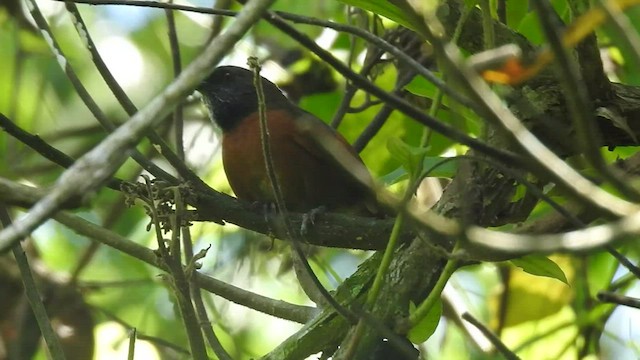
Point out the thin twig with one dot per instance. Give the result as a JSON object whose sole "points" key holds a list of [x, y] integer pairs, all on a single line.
{"points": [[624, 261], [396, 102], [381, 117], [132, 343], [32, 294], [180, 286], [279, 198], [564, 175], [180, 208], [178, 119], [350, 91], [489, 37], [140, 336], [354, 30], [277, 308], [614, 298], [84, 94], [494, 110], [625, 31], [96, 166], [201, 311], [173, 159], [579, 104], [40, 146], [500, 346], [391, 99]]}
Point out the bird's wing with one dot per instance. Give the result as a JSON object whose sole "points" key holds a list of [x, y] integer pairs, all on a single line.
{"points": [[324, 143]]}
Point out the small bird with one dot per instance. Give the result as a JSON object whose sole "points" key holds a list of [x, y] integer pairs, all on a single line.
{"points": [[309, 157]]}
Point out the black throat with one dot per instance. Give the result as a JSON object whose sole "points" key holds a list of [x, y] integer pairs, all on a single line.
{"points": [[230, 96]]}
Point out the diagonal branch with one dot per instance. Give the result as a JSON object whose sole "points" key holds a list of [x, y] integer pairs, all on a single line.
{"points": [[91, 170], [29, 195]]}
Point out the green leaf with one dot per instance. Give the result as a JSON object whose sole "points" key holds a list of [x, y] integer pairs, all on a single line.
{"points": [[516, 11], [439, 166], [394, 177], [446, 170], [521, 191], [383, 8], [540, 266], [421, 87], [530, 27], [622, 53], [410, 157], [427, 326]]}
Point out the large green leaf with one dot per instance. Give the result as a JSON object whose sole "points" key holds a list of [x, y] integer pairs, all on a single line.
{"points": [[540, 265], [384, 8], [427, 326]]}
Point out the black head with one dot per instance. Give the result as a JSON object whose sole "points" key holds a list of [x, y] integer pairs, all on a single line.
{"points": [[230, 95]]}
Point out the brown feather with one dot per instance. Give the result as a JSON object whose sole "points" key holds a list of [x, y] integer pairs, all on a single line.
{"points": [[308, 174]]}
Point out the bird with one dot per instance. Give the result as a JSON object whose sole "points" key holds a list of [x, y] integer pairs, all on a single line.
{"points": [[315, 167]]}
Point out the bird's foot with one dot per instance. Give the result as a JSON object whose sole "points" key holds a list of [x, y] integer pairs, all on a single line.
{"points": [[269, 210], [309, 219]]}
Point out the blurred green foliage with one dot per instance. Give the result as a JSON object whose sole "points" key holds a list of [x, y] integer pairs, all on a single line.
{"points": [[37, 95]]}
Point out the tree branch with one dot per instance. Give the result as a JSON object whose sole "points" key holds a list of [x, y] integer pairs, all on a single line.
{"points": [[29, 195], [92, 169]]}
